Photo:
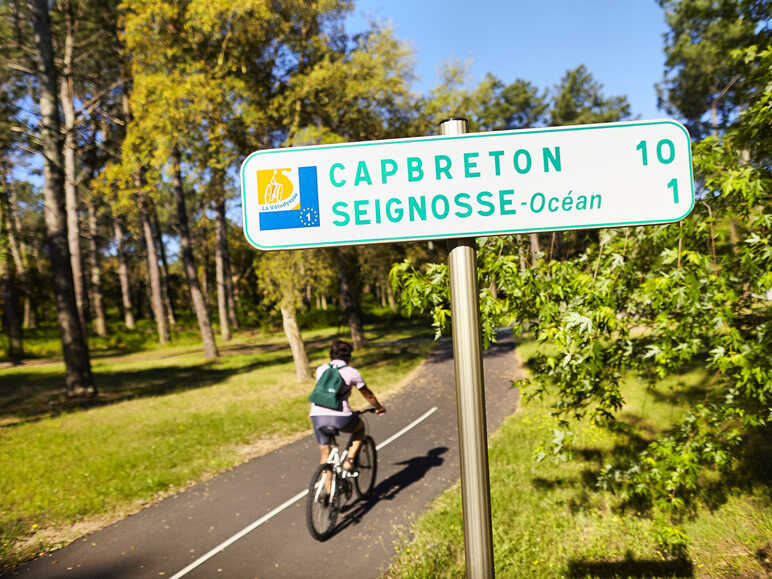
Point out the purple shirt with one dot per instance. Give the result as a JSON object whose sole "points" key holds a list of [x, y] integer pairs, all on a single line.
{"points": [[351, 377]]}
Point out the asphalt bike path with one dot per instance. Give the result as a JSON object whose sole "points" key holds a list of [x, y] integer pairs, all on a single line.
{"points": [[250, 521]]}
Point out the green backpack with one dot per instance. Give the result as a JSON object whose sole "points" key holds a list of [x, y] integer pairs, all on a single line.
{"points": [[327, 390]]}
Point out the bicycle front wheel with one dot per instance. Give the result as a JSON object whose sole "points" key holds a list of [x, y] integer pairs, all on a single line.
{"points": [[322, 503], [366, 463]]}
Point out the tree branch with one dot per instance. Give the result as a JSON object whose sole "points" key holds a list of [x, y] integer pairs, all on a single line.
{"points": [[82, 176], [726, 90], [28, 149], [27, 134], [92, 103], [111, 152], [116, 120], [20, 68], [87, 41]]}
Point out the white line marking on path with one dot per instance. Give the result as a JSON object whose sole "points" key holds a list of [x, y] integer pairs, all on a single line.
{"points": [[413, 424], [286, 504]]}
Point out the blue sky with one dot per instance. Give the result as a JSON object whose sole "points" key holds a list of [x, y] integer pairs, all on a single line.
{"points": [[620, 41]]}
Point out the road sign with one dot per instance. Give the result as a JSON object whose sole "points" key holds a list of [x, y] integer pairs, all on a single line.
{"points": [[469, 185]]}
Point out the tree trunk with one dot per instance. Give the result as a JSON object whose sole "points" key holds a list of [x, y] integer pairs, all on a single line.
{"points": [[145, 298], [70, 186], [77, 362], [535, 249], [291, 330], [153, 273], [11, 311], [349, 294], [11, 227], [204, 252], [189, 263], [20, 257], [555, 245], [221, 269], [97, 301], [165, 289], [33, 273], [30, 318], [231, 295], [123, 273], [390, 295]]}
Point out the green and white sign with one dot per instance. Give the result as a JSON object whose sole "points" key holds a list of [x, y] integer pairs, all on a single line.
{"points": [[470, 185]]}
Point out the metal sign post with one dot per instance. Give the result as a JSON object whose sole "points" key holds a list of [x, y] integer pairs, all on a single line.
{"points": [[470, 397]]}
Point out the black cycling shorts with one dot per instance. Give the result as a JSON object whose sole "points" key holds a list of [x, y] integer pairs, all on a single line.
{"points": [[340, 423]]}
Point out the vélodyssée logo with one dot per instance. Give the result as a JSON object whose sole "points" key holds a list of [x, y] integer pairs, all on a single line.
{"points": [[288, 199]]}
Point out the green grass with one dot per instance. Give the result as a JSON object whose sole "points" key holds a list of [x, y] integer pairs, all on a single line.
{"points": [[548, 520], [44, 341], [164, 418]]}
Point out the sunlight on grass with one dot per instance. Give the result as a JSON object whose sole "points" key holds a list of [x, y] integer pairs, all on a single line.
{"points": [[548, 520], [165, 419]]}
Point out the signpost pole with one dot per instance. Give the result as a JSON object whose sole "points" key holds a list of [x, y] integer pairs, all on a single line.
{"points": [[470, 397]]}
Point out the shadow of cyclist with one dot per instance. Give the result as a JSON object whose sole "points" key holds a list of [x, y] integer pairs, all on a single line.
{"points": [[415, 469]]}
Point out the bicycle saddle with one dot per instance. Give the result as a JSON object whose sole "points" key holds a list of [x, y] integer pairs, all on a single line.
{"points": [[329, 430]]}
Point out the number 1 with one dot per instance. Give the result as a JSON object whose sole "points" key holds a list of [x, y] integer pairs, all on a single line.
{"points": [[644, 156], [673, 184]]}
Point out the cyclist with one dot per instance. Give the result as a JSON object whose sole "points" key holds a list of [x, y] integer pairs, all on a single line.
{"points": [[344, 420]]}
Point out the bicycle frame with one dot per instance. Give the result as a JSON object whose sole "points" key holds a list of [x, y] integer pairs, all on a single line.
{"points": [[333, 484], [336, 459]]}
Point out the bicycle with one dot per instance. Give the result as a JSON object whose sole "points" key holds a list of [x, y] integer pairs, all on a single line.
{"points": [[331, 482]]}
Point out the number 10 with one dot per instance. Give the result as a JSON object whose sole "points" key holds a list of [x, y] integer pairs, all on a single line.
{"points": [[665, 152]]}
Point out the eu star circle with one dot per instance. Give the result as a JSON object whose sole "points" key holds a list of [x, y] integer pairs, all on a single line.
{"points": [[309, 217]]}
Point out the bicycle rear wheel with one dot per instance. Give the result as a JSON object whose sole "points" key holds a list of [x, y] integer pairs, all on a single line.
{"points": [[366, 463], [321, 508]]}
